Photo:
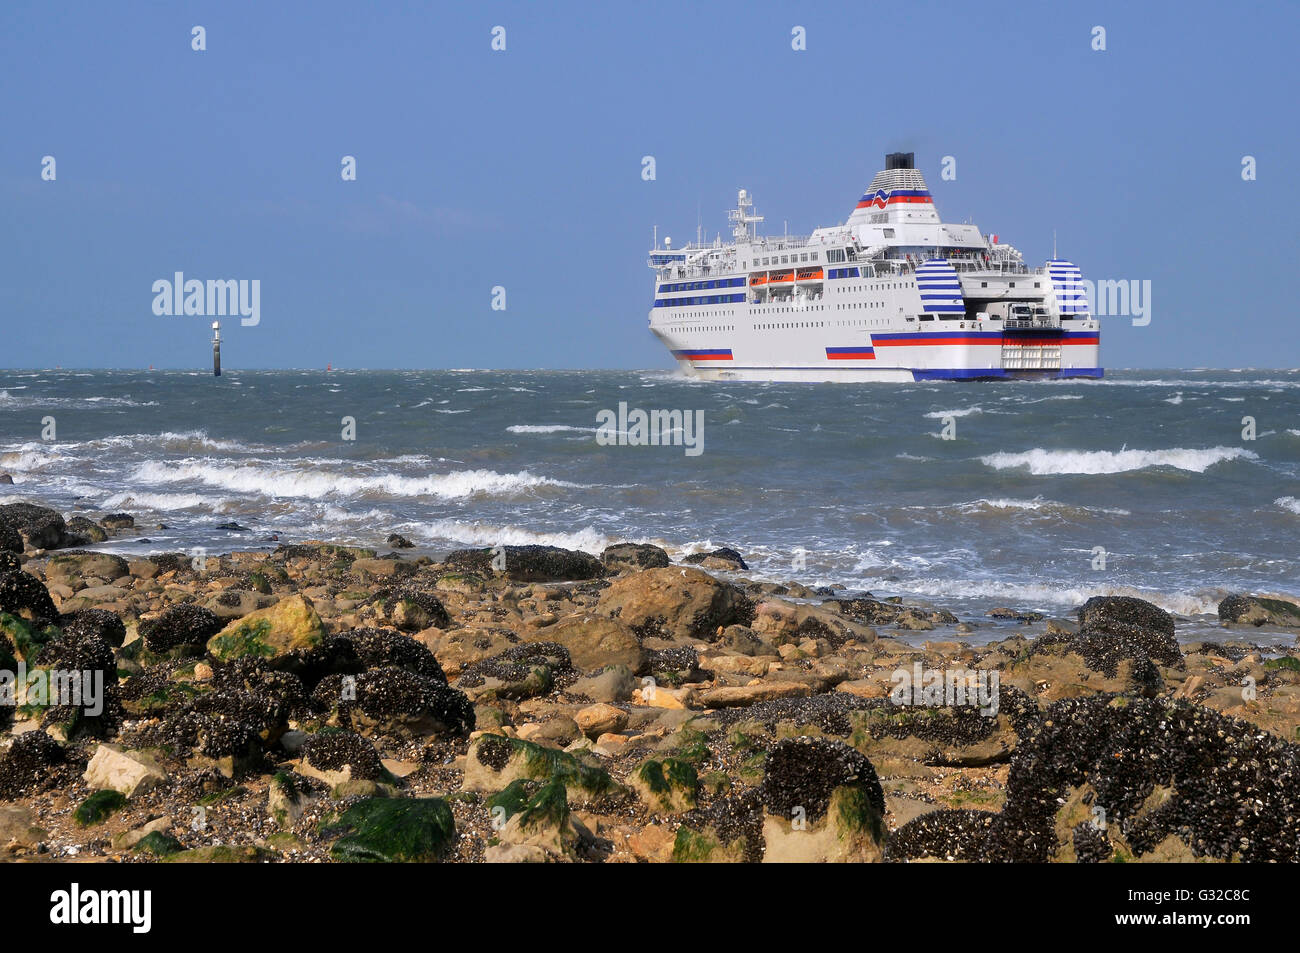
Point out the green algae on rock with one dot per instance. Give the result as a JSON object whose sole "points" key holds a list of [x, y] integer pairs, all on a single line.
{"points": [[290, 625], [395, 830]]}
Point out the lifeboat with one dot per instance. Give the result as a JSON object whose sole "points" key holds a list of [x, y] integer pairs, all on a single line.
{"points": [[810, 274], [759, 279], [780, 277]]}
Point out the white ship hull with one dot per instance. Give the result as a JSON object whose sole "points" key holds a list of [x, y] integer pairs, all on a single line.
{"points": [[892, 295]]}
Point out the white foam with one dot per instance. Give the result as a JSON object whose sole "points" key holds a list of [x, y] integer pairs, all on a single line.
{"points": [[1042, 462], [548, 428], [314, 483], [1046, 594], [588, 540], [1289, 503]]}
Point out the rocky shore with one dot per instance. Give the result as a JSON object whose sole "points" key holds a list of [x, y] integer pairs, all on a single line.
{"points": [[324, 702]]}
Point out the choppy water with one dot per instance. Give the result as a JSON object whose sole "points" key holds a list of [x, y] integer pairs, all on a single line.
{"points": [[1151, 466]]}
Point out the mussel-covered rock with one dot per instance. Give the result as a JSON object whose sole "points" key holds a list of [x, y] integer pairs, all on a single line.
{"points": [[181, 625], [633, 557], [529, 563], [40, 526], [22, 594]]}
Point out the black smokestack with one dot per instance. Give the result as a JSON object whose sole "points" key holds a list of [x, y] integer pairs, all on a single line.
{"points": [[900, 160]]}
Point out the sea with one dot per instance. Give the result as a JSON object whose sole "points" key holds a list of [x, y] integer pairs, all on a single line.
{"points": [[1175, 486]]}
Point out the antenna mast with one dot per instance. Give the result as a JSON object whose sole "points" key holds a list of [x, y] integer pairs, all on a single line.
{"points": [[742, 216]]}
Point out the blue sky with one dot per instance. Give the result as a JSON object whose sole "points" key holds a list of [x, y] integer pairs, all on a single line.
{"points": [[523, 168]]}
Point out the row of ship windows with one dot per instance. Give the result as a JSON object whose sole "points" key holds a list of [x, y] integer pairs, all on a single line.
{"points": [[703, 285], [787, 259], [860, 304], [699, 300], [795, 324], [736, 298]]}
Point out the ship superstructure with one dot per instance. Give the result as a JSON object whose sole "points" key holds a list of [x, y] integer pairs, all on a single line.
{"points": [[893, 294]]}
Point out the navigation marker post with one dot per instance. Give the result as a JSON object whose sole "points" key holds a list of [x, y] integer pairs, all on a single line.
{"points": [[216, 348]]}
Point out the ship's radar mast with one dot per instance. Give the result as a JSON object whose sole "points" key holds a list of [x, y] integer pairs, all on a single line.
{"points": [[742, 216]]}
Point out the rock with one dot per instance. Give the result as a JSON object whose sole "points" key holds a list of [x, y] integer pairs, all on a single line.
{"points": [[1112, 628], [555, 732], [336, 757], [670, 786], [521, 671], [803, 772], [514, 854], [85, 531], [596, 720], [395, 830], [493, 762], [675, 603], [158, 844], [396, 701], [1013, 615], [1175, 781], [874, 612], [594, 641], [129, 839], [98, 808], [744, 641], [95, 595], [127, 772], [376, 648], [22, 594], [398, 541], [409, 609], [97, 622], [221, 854], [367, 569], [742, 696], [724, 559], [11, 541], [237, 603], [142, 568], [288, 626], [824, 803], [539, 826], [1124, 616], [118, 521], [26, 768], [1257, 611], [944, 834], [653, 843], [287, 798], [656, 696], [182, 625], [86, 655], [632, 557], [530, 563], [615, 684], [6, 480], [18, 827], [39, 526]]}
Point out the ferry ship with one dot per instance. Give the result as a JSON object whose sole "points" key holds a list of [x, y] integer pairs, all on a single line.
{"points": [[893, 294]]}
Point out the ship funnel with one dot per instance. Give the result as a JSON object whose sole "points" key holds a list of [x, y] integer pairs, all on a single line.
{"points": [[896, 195]]}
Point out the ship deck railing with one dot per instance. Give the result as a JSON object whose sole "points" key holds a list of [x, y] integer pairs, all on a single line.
{"points": [[1038, 323]]}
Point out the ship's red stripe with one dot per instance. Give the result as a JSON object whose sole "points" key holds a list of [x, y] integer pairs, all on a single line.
{"points": [[933, 340], [897, 200]]}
